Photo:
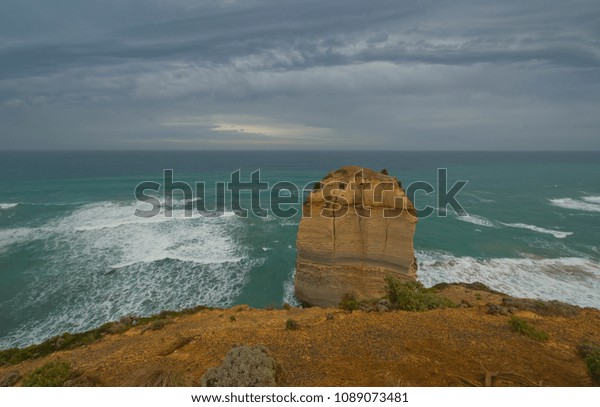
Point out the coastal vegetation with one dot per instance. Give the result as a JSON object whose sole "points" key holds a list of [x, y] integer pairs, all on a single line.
{"points": [[413, 296], [179, 349], [291, 325], [590, 351], [68, 341], [523, 327], [245, 366], [349, 302], [52, 374]]}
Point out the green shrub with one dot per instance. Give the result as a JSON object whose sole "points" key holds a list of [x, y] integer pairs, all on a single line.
{"points": [[52, 374], [590, 351], [232, 318], [523, 327], [245, 366], [413, 296], [592, 362], [286, 306], [349, 302], [291, 325]]}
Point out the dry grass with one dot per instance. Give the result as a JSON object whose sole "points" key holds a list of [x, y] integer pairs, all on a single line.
{"points": [[155, 376], [179, 342]]}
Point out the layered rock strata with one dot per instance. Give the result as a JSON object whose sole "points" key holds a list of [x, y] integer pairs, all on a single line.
{"points": [[357, 228]]}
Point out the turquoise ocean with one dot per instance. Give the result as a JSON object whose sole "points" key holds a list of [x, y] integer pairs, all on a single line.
{"points": [[73, 255]]}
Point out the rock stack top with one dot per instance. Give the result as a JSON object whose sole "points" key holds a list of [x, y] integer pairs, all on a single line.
{"points": [[357, 228]]}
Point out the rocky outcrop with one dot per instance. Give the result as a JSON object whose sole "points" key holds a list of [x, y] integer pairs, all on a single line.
{"points": [[244, 366], [357, 227]]}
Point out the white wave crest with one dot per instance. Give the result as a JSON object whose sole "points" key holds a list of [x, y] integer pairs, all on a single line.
{"points": [[5, 206], [587, 205], [110, 227], [104, 263], [9, 237], [592, 199], [556, 233], [477, 220], [570, 279], [289, 293]]}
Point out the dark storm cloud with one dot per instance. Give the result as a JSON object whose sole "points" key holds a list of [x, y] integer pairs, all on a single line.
{"points": [[300, 74]]}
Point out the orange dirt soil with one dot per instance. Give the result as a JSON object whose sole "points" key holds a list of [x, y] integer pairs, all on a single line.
{"points": [[445, 347]]}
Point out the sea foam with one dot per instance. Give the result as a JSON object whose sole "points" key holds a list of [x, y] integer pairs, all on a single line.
{"points": [[570, 279], [592, 199], [477, 220], [102, 263], [556, 233], [289, 293], [588, 204]]}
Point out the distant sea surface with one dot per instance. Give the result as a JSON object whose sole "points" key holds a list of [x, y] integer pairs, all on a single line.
{"points": [[73, 255]]}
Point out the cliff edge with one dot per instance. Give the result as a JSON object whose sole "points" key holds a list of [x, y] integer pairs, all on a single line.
{"points": [[357, 227]]}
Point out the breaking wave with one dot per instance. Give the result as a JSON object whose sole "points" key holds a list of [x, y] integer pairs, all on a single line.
{"points": [[556, 233], [588, 203], [101, 263], [570, 279]]}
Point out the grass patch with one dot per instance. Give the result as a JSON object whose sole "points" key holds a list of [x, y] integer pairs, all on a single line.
{"points": [[291, 325], [590, 352], [52, 374], [68, 341], [476, 286], [545, 308], [523, 327], [349, 302], [413, 296], [9, 379], [156, 325], [592, 361]]}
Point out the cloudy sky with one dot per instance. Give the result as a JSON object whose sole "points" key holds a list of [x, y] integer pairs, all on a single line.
{"points": [[281, 74]]}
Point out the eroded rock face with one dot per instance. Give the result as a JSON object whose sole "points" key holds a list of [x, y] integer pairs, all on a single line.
{"points": [[357, 227]]}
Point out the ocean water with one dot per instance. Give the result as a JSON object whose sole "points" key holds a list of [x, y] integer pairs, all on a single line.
{"points": [[73, 255]]}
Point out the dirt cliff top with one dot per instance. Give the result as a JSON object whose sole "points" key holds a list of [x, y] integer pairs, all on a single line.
{"points": [[461, 346]]}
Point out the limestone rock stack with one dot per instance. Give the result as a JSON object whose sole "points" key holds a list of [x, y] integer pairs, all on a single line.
{"points": [[357, 227]]}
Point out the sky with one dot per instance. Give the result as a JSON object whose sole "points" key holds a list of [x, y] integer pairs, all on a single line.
{"points": [[281, 74]]}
